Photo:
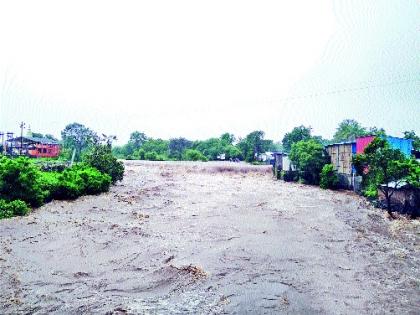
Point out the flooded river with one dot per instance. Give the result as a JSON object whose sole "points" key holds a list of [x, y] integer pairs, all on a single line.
{"points": [[209, 238]]}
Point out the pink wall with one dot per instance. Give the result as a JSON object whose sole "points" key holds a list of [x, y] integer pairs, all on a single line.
{"points": [[362, 143]]}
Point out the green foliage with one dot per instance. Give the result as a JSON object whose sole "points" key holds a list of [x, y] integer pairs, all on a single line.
{"points": [[161, 147], [153, 156], [254, 144], [309, 159], [380, 165], [329, 177], [177, 147], [349, 129], [194, 155], [77, 136], [136, 141], [74, 182], [416, 139], [20, 179], [101, 158], [13, 208], [232, 152], [297, 134]]}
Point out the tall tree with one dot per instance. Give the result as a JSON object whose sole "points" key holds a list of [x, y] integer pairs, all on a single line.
{"points": [[384, 168], [254, 144], [79, 137], [137, 138], [348, 130], [227, 138], [177, 146], [297, 134], [416, 139], [309, 159]]}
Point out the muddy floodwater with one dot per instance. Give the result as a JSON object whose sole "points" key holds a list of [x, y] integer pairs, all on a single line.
{"points": [[209, 238]]}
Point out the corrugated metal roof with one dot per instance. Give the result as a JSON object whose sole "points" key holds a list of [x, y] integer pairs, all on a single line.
{"points": [[340, 143], [34, 140]]}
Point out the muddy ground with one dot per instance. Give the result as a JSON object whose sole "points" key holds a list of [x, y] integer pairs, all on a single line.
{"points": [[206, 238]]}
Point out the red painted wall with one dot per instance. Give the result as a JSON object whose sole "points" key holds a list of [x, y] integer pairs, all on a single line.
{"points": [[45, 150], [362, 143]]}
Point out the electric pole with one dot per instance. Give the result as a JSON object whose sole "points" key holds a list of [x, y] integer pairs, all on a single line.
{"points": [[22, 125]]}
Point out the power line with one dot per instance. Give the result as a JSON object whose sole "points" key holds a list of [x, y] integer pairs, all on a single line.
{"points": [[345, 90]]}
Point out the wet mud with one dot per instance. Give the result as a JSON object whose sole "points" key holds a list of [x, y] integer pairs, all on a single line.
{"points": [[209, 238]]}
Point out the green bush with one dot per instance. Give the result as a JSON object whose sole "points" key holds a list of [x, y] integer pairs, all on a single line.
{"points": [[194, 155], [13, 208], [74, 182], [309, 159], [102, 159], [328, 177], [20, 179]]}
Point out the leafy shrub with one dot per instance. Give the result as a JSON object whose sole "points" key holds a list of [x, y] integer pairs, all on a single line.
{"points": [[194, 155], [9, 209], [329, 177], [139, 154], [20, 179], [308, 157], [102, 159], [74, 182]]}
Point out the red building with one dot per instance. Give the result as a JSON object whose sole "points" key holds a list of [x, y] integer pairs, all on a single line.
{"points": [[34, 147]]}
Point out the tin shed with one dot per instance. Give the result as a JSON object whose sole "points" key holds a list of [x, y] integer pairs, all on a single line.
{"points": [[404, 145], [341, 155]]}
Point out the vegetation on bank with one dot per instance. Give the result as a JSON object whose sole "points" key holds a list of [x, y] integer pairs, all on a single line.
{"points": [[141, 147], [25, 183], [381, 167]]}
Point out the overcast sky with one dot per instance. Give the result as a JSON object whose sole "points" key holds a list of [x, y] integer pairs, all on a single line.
{"points": [[200, 68]]}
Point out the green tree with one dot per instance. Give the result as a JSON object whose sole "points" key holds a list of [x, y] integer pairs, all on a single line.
{"points": [[309, 158], [329, 177], [77, 136], [227, 138], [194, 155], [137, 139], [101, 158], [297, 134], [349, 130], [159, 146], [384, 168], [254, 144], [177, 146], [416, 139]]}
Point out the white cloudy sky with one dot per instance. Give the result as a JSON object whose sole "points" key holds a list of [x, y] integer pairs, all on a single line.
{"points": [[200, 68]]}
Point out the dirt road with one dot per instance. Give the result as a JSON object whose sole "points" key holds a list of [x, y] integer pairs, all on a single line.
{"points": [[196, 238]]}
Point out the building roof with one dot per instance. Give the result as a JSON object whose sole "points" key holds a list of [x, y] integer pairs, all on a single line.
{"points": [[33, 140], [340, 143]]}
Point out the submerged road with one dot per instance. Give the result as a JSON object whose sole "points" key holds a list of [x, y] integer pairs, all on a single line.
{"points": [[209, 238]]}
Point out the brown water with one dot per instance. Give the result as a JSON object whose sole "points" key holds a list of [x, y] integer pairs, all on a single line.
{"points": [[187, 238]]}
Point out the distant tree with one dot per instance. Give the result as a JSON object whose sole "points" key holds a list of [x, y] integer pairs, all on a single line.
{"points": [[348, 130], [254, 144], [161, 147], [384, 168], [233, 152], [416, 139], [177, 146], [309, 159], [77, 136], [297, 134], [375, 131], [137, 139], [194, 155], [37, 135], [227, 138]]}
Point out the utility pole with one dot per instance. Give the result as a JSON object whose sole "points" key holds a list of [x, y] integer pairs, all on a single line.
{"points": [[22, 125]]}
